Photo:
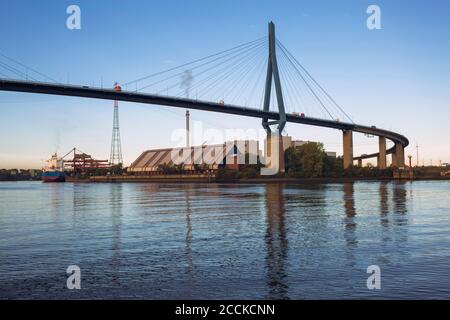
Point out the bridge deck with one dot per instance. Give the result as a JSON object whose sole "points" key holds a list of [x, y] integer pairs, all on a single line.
{"points": [[110, 94]]}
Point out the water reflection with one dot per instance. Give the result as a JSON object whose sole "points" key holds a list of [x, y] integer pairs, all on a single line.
{"points": [[116, 220], [350, 214], [384, 205], [56, 201], [399, 198], [188, 238], [173, 241], [400, 218], [81, 198], [276, 242]]}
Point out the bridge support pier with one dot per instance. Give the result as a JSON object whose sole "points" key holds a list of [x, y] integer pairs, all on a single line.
{"points": [[398, 157], [360, 163], [382, 153], [348, 148], [274, 152], [393, 160]]}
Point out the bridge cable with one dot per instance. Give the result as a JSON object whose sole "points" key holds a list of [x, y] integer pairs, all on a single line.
{"points": [[292, 100], [29, 68], [4, 75], [241, 84], [296, 74], [291, 76], [16, 71], [253, 90], [196, 67], [307, 84], [208, 78], [286, 77], [192, 62], [241, 76], [318, 85], [230, 70], [248, 80], [315, 81], [228, 67]]}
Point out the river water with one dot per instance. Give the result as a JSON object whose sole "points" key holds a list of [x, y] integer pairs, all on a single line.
{"points": [[225, 241]]}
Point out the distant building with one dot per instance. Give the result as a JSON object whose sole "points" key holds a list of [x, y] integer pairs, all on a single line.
{"points": [[211, 157]]}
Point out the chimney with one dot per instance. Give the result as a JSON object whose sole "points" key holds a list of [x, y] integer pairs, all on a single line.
{"points": [[187, 129]]}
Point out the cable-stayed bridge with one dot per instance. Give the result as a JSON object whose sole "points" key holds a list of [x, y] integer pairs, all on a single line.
{"points": [[259, 79]]}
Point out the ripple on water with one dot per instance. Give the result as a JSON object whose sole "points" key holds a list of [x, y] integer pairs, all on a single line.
{"points": [[225, 241]]}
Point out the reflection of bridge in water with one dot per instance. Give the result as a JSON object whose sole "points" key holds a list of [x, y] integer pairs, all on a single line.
{"points": [[274, 217], [277, 247], [276, 242]]}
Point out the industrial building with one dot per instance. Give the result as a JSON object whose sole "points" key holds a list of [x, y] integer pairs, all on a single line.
{"points": [[211, 157], [229, 155]]}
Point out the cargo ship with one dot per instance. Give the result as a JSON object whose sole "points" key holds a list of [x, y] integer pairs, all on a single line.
{"points": [[54, 172]]}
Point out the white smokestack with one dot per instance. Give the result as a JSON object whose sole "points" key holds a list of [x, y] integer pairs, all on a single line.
{"points": [[187, 129]]}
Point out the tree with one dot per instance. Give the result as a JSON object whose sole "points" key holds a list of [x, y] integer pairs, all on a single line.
{"points": [[333, 167], [306, 160], [292, 162]]}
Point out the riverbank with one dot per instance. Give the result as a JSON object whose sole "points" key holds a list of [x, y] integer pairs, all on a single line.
{"points": [[154, 178], [211, 178]]}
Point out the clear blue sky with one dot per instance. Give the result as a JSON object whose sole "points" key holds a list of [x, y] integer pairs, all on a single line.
{"points": [[396, 78]]}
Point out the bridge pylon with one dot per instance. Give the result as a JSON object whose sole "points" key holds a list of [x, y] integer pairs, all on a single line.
{"points": [[273, 73], [276, 136]]}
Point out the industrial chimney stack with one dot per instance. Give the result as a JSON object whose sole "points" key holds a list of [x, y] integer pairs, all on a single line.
{"points": [[187, 129]]}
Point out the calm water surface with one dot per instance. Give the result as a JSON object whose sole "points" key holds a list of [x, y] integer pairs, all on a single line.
{"points": [[219, 241]]}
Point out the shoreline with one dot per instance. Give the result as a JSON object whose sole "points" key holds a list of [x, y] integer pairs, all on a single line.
{"points": [[198, 179]]}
